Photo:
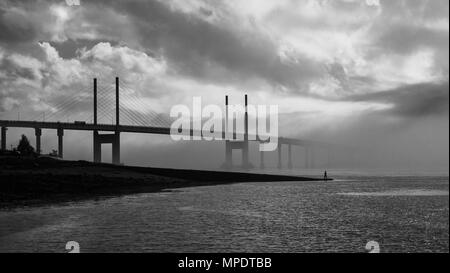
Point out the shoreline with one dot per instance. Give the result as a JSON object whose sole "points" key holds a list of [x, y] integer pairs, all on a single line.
{"points": [[27, 181]]}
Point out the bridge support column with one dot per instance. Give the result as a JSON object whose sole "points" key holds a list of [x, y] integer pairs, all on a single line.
{"points": [[113, 139], [245, 158], [290, 156], [116, 149], [3, 146], [228, 155], [38, 134], [97, 148], [261, 160], [237, 145], [280, 165], [60, 142]]}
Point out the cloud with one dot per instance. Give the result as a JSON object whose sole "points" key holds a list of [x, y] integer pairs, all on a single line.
{"points": [[42, 83], [405, 38], [30, 21], [10, 69], [15, 27], [413, 101], [343, 65], [215, 51], [290, 46]]}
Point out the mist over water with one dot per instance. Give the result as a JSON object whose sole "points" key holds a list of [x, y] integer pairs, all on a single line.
{"points": [[415, 147]]}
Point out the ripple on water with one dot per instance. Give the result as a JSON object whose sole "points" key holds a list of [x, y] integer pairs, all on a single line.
{"points": [[246, 217], [401, 192]]}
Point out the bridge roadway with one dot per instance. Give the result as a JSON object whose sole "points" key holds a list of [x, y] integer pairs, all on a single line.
{"points": [[127, 129], [114, 138]]}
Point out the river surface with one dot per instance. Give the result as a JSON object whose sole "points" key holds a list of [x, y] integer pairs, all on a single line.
{"points": [[399, 213]]}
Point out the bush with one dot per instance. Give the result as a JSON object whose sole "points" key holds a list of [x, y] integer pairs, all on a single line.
{"points": [[24, 147]]}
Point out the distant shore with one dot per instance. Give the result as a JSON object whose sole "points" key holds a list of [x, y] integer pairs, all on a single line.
{"points": [[28, 181]]}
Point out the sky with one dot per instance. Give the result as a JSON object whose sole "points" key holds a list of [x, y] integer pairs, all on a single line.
{"points": [[368, 74]]}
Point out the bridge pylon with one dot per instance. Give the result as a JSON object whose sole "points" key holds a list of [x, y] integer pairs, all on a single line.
{"points": [[113, 138], [234, 144]]}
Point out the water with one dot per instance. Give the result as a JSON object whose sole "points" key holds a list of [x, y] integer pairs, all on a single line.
{"points": [[401, 213]]}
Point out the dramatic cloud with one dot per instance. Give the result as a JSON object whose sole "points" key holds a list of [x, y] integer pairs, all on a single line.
{"points": [[15, 27], [414, 101], [328, 64]]}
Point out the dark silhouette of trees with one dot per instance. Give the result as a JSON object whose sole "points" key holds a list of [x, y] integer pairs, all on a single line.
{"points": [[24, 147]]}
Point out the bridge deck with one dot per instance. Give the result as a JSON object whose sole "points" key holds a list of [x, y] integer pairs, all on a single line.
{"points": [[123, 128]]}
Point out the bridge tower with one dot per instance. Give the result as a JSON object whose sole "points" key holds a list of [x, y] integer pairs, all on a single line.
{"points": [[234, 144], [113, 138]]}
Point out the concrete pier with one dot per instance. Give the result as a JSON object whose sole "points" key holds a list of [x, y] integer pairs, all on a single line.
{"points": [[116, 149], [38, 134], [3, 146], [113, 139], [97, 148], [60, 142], [261, 160], [280, 165], [290, 156]]}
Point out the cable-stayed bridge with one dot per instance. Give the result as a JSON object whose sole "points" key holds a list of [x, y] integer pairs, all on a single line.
{"points": [[110, 110]]}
